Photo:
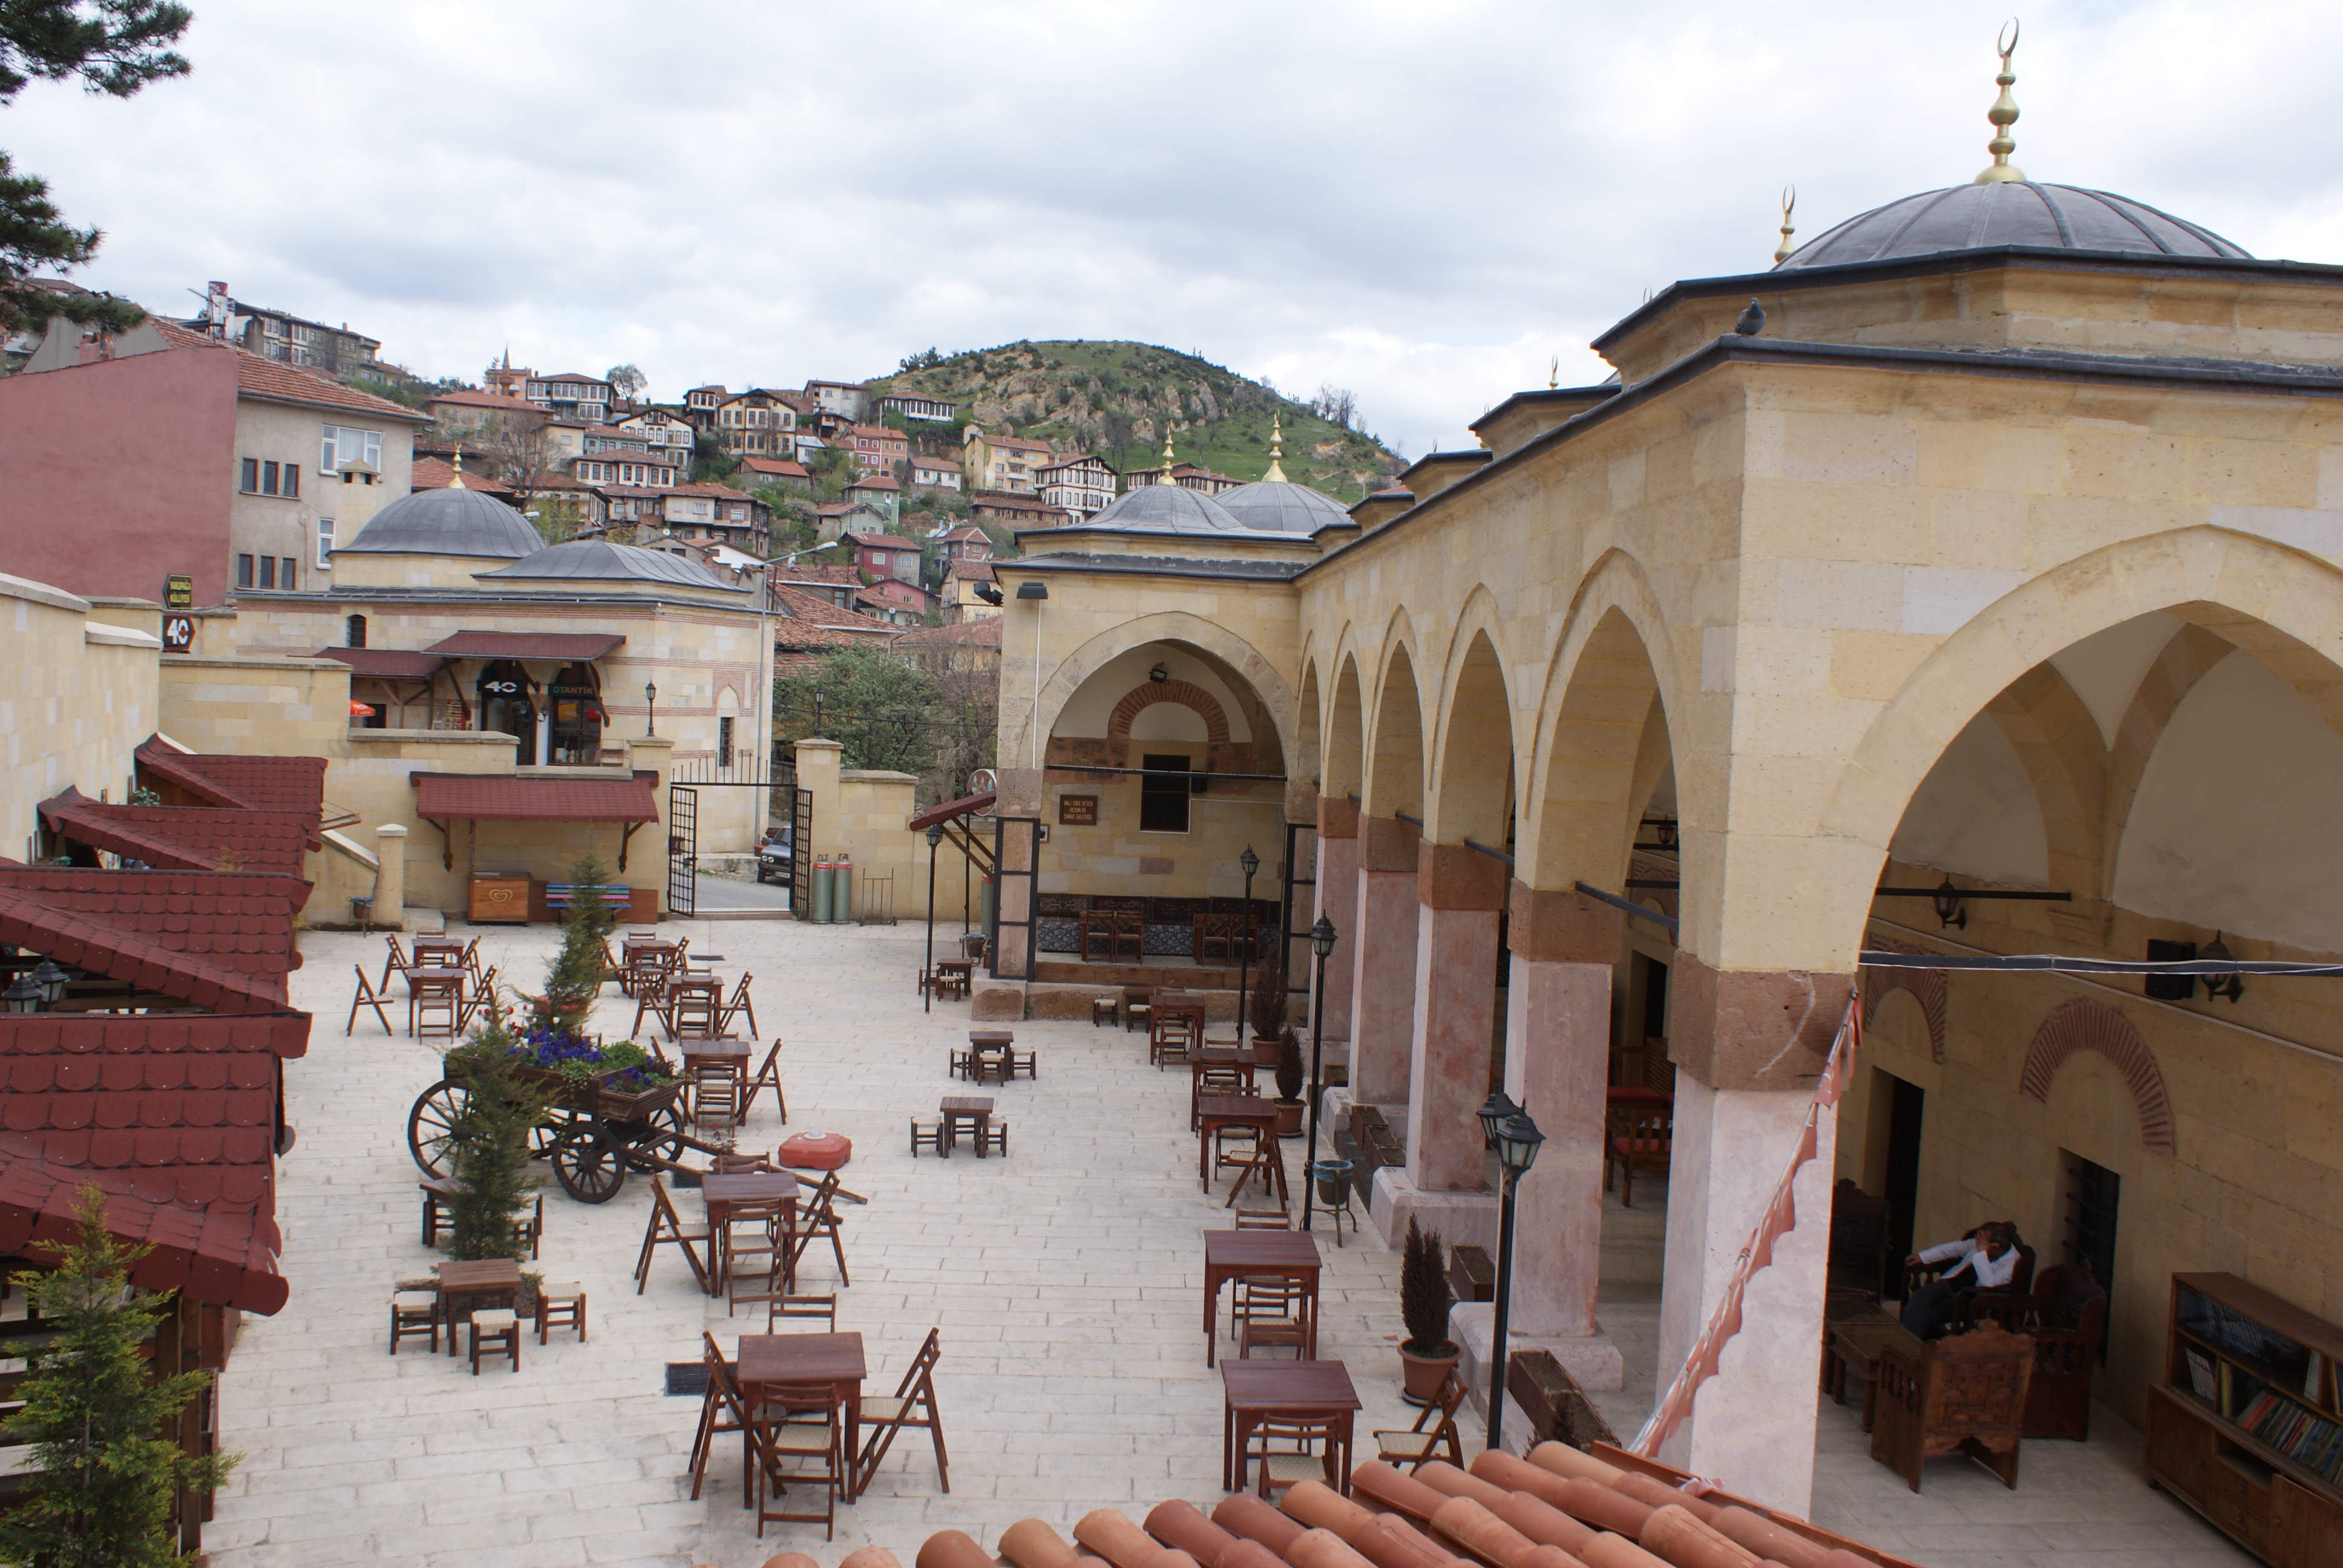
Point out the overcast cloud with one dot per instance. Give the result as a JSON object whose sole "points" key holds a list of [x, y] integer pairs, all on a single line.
{"points": [[1420, 202]]}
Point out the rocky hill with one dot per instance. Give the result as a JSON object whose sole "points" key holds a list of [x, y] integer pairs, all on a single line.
{"points": [[1116, 399]]}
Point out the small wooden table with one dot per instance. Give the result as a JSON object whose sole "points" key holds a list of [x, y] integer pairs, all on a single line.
{"points": [[425, 983], [953, 977], [1271, 1254], [727, 1052], [686, 991], [1858, 1345], [972, 1109], [431, 950], [465, 1288], [1214, 1111], [770, 1360], [1224, 1058], [721, 1192], [1253, 1392]]}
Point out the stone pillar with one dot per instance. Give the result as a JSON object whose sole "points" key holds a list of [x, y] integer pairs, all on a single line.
{"points": [[390, 876], [1459, 892], [818, 768], [1018, 793], [1382, 960], [1338, 900], [1749, 1046]]}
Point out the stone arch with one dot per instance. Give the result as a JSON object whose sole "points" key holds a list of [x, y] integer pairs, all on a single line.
{"points": [[2186, 658], [1140, 697], [1926, 987], [2057, 743], [1342, 754], [1395, 748], [2081, 1024], [1473, 755], [1309, 718], [1020, 723]]}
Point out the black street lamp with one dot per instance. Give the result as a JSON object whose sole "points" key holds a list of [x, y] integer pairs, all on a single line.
{"points": [[651, 699], [1321, 942], [51, 981], [927, 982], [22, 996], [1252, 863], [1517, 1138]]}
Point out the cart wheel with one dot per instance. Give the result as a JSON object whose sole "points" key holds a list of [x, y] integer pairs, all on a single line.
{"points": [[427, 1125], [664, 1137], [547, 1135], [589, 1164]]}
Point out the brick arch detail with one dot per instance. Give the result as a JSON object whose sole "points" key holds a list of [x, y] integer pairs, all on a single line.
{"points": [[1148, 693], [2081, 1025], [1927, 987]]}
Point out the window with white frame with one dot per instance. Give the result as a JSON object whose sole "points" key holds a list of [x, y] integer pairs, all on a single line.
{"points": [[343, 444], [325, 542]]}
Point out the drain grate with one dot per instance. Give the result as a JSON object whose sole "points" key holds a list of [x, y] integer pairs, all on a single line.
{"points": [[686, 1379]]}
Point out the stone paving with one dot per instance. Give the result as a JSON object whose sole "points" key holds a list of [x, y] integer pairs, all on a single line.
{"points": [[1067, 1281]]}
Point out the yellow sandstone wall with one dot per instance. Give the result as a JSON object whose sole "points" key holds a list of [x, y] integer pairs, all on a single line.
{"points": [[77, 694]]}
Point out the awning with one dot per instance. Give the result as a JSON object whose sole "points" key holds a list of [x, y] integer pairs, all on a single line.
{"points": [[472, 798], [385, 663], [569, 647], [966, 806], [187, 837]]}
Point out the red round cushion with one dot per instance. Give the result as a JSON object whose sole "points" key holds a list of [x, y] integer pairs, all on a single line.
{"points": [[817, 1150]]}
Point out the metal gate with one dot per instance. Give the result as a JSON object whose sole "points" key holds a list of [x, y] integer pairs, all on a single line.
{"points": [[682, 849], [800, 852], [1016, 857], [1290, 909]]}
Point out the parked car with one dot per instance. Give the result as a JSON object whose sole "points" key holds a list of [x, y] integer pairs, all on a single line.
{"points": [[773, 857]]}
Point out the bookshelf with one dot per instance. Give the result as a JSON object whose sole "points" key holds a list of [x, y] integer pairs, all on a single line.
{"points": [[2247, 1427]]}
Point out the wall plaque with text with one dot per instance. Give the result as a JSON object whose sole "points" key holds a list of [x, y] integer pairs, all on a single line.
{"points": [[1078, 810], [178, 592]]}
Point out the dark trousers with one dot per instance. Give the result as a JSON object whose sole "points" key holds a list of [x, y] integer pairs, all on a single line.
{"points": [[1928, 1310]]}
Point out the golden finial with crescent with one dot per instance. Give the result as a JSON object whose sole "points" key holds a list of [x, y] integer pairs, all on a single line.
{"points": [[456, 482], [1789, 205], [1276, 474], [2004, 114]]}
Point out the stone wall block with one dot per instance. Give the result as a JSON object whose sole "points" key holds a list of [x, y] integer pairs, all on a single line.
{"points": [[1740, 1028]]}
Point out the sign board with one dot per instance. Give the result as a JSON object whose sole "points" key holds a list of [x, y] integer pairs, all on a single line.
{"points": [[1078, 810], [178, 592], [178, 633]]}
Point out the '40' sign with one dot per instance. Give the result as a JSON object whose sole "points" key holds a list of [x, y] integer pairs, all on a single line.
{"points": [[178, 633]]}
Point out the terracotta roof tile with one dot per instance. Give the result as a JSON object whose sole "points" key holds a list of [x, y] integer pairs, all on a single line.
{"points": [[452, 797], [258, 377], [186, 837], [238, 919], [254, 783], [99, 942], [526, 645]]}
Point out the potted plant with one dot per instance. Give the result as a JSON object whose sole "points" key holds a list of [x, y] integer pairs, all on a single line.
{"points": [[1268, 1005], [1290, 1103], [1427, 1354]]}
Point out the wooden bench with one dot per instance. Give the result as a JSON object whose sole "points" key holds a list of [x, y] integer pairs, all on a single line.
{"points": [[559, 896]]}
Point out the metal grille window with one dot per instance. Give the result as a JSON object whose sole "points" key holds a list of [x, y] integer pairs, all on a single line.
{"points": [[2093, 1195], [1163, 794], [724, 742]]}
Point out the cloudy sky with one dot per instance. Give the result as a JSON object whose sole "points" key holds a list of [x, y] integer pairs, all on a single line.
{"points": [[1418, 202]]}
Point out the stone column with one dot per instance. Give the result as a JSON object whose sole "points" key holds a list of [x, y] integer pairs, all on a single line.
{"points": [[1749, 1046], [1018, 793], [390, 876], [1459, 892], [1383, 960], [1338, 900]]}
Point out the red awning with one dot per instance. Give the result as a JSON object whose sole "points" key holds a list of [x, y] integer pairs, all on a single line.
{"points": [[567, 646], [459, 797], [187, 837], [966, 806], [385, 663]]}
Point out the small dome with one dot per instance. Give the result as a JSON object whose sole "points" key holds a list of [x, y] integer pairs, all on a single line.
{"points": [[1280, 506], [1166, 509], [446, 522], [2009, 213], [599, 560]]}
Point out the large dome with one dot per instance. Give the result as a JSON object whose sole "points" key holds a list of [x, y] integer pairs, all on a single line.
{"points": [[1167, 510], [599, 560], [1280, 506], [2009, 213], [446, 522]]}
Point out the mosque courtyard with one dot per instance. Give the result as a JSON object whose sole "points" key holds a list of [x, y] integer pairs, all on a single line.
{"points": [[1065, 1279]]}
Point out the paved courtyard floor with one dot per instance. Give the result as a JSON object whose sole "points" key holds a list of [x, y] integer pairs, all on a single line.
{"points": [[1066, 1280]]}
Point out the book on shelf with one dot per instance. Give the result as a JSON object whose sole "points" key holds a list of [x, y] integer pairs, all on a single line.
{"points": [[2200, 1373]]}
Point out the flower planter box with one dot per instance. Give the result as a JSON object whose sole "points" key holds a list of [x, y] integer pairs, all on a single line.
{"points": [[599, 1099]]}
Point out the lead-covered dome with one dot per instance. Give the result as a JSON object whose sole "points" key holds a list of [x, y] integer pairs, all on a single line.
{"points": [[599, 560], [2009, 213], [1166, 509], [448, 522], [1281, 507]]}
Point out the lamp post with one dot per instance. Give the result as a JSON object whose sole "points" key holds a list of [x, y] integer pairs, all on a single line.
{"points": [[1517, 1138], [650, 698], [1321, 942], [51, 981], [22, 995], [935, 837], [1252, 863]]}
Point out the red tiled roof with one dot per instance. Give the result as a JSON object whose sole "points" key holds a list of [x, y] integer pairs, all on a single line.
{"points": [[1018, 443], [431, 474], [259, 378], [239, 921], [966, 806], [385, 663], [218, 1255], [972, 571], [786, 470], [186, 837], [463, 399], [875, 482], [256, 783], [810, 622], [94, 944], [458, 797], [881, 432], [562, 644], [839, 575]]}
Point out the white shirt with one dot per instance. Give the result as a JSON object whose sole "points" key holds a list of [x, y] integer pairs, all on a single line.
{"points": [[1991, 1272]]}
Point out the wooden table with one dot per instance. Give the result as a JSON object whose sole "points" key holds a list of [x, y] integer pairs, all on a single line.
{"points": [[422, 982], [797, 1360], [1271, 1254], [725, 1051], [974, 1110], [1858, 1345], [721, 1192], [690, 986], [428, 950], [1217, 1111], [1116, 926], [1253, 1392], [1219, 1057], [954, 976], [492, 1283]]}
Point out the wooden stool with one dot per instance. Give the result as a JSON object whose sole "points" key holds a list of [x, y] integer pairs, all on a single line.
{"points": [[1103, 1012], [498, 1326], [992, 1137], [928, 1137], [560, 1306], [414, 1314]]}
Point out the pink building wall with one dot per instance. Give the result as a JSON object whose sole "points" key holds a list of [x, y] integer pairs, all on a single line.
{"points": [[116, 474]]}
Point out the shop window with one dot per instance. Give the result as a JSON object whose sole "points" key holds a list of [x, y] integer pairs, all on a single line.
{"points": [[1163, 794], [575, 696], [504, 696]]}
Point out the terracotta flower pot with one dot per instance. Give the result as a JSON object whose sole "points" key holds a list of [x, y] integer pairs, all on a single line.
{"points": [[1289, 1118], [1421, 1376], [1265, 1050]]}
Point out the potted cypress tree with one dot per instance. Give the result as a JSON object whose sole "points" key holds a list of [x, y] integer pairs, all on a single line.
{"points": [[1290, 1103], [1427, 1354], [1269, 1007], [487, 1145]]}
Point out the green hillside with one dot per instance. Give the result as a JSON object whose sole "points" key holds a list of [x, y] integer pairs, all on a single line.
{"points": [[1115, 399]]}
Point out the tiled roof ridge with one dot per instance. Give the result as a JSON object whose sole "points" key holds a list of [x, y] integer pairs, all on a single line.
{"points": [[172, 834], [168, 765], [29, 920], [266, 377]]}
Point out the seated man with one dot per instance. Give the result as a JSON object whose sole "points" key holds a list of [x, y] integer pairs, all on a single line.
{"points": [[1989, 1257]]}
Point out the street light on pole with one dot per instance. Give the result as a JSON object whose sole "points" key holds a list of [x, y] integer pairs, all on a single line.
{"points": [[1321, 942], [1252, 863], [927, 986], [1517, 1138], [651, 706]]}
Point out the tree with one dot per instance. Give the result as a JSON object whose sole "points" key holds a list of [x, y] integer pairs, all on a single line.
{"points": [[515, 449], [1337, 406], [927, 360], [557, 515], [487, 1147], [95, 1419], [576, 978], [871, 702], [626, 381], [115, 47]]}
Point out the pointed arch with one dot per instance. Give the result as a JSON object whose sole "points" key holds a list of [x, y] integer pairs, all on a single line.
{"points": [[1342, 753], [1058, 688], [1395, 746], [1473, 755], [2084, 1025]]}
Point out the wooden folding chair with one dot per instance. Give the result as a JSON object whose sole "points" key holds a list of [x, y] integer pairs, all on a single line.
{"points": [[804, 1309], [1420, 1444], [816, 1217], [471, 957], [1263, 1219], [1273, 1313], [722, 1398], [1290, 1451], [771, 1072], [434, 1009], [366, 997], [666, 1227], [738, 1007], [528, 1228], [395, 964], [480, 1003], [651, 998], [715, 1095], [913, 1404], [756, 1250], [796, 1441], [691, 1012]]}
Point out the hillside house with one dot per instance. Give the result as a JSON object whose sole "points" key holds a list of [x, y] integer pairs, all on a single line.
{"points": [[879, 493], [1187, 476], [934, 473], [918, 405], [469, 411], [960, 598], [833, 520], [1016, 511], [1083, 486], [776, 471], [847, 400], [571, 396], [877, 450], [281, 336], [713, 511], [885, 556], [662, 431], [755, 423], [1003, 462]]}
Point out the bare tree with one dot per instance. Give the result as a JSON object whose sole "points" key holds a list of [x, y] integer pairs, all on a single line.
{"points": [[515, 449], [1337, 406]]}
